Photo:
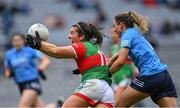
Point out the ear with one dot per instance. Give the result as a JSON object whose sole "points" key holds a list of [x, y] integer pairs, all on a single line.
{"points": [[82, 37]]}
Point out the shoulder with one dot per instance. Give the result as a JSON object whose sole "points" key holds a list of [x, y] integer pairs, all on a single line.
{"points": [[79, 49], [130, 32], [77, 44], [10, 52], [27, 48]]}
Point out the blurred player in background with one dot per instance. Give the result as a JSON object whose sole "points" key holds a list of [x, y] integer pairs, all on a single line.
{"points": [[21, 65], [153, 79], [94, 89], [122, 78]]}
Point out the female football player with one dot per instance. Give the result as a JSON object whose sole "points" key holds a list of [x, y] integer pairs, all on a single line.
{"points": [[94, 89], [154, 79], [20, 64]]}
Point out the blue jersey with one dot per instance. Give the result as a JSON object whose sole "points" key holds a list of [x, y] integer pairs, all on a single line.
{"points": [[141, 52], [22, 63]]}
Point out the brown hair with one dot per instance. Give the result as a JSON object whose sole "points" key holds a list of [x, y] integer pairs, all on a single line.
{"points": [[20, 35], [91, 32], [131, 18]]}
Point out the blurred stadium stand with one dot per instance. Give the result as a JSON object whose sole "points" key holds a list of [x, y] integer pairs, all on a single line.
{"points": [[60, 80]]}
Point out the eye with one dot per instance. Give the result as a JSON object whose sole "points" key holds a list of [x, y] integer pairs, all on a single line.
{"points": [[113, 25]]}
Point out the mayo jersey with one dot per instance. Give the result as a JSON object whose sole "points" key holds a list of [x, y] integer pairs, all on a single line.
{"points": [[91, 61]]}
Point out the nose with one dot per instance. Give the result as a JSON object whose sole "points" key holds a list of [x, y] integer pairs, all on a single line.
{"points": [[69, 37], [115, 30]]}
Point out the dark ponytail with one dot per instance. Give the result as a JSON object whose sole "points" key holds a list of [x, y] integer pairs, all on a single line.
{"points": [[91, 32], [96, 34]]}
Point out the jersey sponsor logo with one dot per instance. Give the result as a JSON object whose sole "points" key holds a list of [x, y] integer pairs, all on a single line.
{"points": [[17, 62]]}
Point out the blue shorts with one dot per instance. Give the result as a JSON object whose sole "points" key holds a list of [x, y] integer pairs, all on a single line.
{"points": [[157, 85], [33, 84]]}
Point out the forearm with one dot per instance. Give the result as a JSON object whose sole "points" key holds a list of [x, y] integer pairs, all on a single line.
{"points": [[55, 51], [44, 63], [112, 59], [49, 49], [7, 73], [115, 66]]}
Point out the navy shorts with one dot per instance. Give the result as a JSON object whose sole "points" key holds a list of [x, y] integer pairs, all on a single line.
{"points": [[157, 85], [33, 84]]}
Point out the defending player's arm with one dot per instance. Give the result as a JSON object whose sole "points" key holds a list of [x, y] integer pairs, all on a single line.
{"points": [[112, 59], [119, 61], [126, 41]]}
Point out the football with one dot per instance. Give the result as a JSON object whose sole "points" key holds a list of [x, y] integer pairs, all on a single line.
{"points": [[41, 29]]}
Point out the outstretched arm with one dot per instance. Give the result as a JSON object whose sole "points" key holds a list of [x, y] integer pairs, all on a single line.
{"points": [[48, 48], [55, 51]]}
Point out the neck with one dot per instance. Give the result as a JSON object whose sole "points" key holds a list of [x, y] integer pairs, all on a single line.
{"points": [[18, 48], [124, 28]]}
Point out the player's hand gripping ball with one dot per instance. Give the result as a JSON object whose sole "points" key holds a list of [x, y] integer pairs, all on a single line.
{"points": [[36, 34], [41, 29]]}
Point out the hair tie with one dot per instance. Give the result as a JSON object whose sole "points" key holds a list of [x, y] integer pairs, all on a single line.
{"points": [[80, 28]]}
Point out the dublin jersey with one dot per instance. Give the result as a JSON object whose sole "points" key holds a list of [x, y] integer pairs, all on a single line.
{"points": [[141, 52], [91, 61], [21, 62]]}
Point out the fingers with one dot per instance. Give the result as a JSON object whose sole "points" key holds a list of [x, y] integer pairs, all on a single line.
{"points": [[37, 35], [33, 42]]}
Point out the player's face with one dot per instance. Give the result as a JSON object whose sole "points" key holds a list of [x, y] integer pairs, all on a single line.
{"points": [[74, 36], [114, 35], [118, 27], [17, 42]]}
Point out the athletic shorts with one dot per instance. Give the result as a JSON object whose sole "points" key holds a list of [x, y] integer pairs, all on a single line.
{"points": [[95, 92], [122, 84], [157, 85], [33, 84]]}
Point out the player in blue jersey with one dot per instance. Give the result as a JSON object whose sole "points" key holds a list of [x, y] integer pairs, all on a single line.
{"points": [[153, 79], [20, 63]]}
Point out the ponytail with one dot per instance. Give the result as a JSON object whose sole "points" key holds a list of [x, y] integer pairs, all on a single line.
{"points": [[95, 35], [131, 18], [140, 21], [91, 33]]}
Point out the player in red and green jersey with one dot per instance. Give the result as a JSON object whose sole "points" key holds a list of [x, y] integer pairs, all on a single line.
{"points": [[94, 89]]}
